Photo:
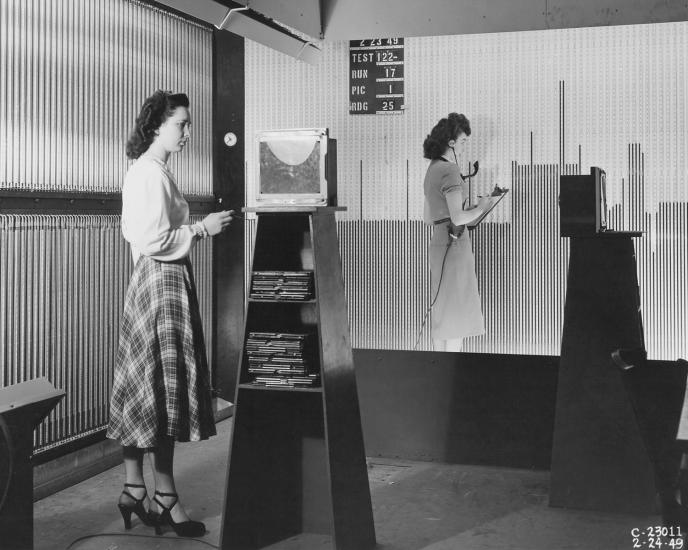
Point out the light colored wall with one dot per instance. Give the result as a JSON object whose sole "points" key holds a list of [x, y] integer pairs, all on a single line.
{"points": [[612, 96]]}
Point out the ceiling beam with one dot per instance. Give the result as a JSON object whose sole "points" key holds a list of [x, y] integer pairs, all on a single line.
{"points": [[357, 19]]}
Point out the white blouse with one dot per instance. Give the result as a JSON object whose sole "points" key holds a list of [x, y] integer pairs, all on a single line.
{"points": [[155, 215]]}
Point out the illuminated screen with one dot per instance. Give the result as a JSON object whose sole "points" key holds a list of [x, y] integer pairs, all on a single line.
{"points": [[290, 166]]}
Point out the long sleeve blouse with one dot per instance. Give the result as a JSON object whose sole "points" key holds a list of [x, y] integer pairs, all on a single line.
{"points": [[155, 215]]}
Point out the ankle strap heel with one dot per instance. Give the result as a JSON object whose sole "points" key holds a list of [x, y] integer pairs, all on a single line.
{"points": [[188, 528], [136, 507]]}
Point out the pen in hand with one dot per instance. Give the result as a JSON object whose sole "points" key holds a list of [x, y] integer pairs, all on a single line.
{"points": [[233, 213]]}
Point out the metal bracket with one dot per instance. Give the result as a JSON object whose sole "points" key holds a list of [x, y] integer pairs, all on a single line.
{"points": [[228, 15]]}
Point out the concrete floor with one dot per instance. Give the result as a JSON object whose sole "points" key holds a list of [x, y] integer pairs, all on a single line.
{"points": [[416, 505]]}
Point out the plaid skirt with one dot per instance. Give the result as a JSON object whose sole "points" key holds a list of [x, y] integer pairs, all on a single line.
{"points": [[162, 382]]}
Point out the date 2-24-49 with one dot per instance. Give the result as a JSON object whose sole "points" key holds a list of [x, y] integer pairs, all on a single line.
{"points": [[657, 537]]}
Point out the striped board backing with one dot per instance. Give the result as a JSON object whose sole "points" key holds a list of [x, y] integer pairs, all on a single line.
{"points": [[541, 104], [62, 285]]}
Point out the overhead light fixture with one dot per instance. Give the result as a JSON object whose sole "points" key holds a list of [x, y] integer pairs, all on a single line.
{"points": [[254, 26]]}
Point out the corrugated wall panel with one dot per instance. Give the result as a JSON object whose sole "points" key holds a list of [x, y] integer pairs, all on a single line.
{"points": [[62, 285], [73, 76], [541, 104]]}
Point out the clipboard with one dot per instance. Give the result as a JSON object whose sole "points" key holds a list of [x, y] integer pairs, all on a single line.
{"points": [[496, 200]]}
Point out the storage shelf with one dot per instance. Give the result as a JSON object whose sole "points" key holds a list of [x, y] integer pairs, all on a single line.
{"points": [[272, 301], [277, 388], [294, 209], [297, 464]]}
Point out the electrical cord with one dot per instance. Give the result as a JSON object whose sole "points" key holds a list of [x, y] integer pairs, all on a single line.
{"points": [[437, 293], [86, 537], [5, 430]]}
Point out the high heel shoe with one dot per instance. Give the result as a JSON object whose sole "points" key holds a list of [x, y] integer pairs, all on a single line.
{"points": [[137, 508], [187, 528]]}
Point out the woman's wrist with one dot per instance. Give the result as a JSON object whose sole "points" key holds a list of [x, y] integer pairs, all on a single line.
{"points": [[199, 230]]}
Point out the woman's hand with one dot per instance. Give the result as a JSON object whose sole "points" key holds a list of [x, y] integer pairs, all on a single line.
{"points": [[216, 222], [484, 203]]}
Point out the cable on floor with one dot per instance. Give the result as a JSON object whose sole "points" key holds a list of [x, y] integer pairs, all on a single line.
{"points": [[86, 537]]}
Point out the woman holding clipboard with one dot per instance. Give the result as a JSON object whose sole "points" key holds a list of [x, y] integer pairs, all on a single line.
{"points": [[456, 310]]}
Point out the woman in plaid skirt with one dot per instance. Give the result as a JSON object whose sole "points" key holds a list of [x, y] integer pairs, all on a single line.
{"points": [[161, 390]]}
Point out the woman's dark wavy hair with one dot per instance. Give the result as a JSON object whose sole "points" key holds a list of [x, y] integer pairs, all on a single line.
{"points": [[155, 110], [445, 130]]}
